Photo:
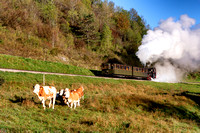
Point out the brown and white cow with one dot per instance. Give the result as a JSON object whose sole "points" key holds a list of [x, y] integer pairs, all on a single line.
{"points": [[80, 92], [44, 93], [74, 96]]}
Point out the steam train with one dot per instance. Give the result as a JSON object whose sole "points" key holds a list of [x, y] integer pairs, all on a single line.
{"points": [[120, 70]]}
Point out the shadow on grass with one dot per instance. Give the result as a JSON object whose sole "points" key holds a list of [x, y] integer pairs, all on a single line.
{"points": [[168, 109], [32, 101], [96, 72], [24, 101], [2, 80], [193, 96]]}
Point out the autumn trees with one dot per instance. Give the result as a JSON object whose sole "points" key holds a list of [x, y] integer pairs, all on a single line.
{"points": [[96, 25]]}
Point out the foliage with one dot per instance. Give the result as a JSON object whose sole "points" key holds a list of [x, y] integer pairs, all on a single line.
{"points": [[106, 41], [46, 24], [70, 40], [72, 16], [48, 12], [195, 76], [87, 28], [123, 22]]}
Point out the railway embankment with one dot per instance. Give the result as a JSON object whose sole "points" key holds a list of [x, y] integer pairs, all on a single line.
{"points": [[21, 63]]}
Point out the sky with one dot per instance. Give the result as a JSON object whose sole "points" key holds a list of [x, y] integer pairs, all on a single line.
{"points": [[155, 10]]}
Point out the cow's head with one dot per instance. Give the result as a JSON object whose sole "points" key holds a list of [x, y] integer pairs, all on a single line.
{"points": [[82, 88], [61, 92], [36, 89]]}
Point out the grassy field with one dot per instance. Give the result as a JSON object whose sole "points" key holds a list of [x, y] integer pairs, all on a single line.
{"points": [[21, 63], [109, 106]]}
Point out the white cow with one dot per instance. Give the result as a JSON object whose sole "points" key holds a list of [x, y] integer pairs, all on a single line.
{"points": [[44, 93]]}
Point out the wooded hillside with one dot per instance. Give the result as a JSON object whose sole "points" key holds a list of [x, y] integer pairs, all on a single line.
{"points": [[78, 32]]}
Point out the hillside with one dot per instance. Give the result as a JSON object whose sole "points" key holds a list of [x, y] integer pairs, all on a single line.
{"points": [[21, 63], [109, 106], [82, 33]]}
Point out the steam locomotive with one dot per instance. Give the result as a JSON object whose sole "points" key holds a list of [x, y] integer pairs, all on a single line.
{"points": [[120, 70]]}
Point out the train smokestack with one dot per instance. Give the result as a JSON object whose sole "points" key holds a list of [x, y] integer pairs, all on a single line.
{"points": [[173, 47]]}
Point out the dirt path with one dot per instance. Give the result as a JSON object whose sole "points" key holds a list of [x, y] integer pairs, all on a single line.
{"points": [[52, 73], [38, 72]]}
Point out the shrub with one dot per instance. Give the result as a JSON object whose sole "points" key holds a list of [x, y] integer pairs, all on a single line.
{"points": [[70, 40], [44, 31], [55, 51], [1, 41], [79, 44]]}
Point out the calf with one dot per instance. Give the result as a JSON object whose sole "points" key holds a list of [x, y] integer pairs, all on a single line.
{"points": [[44, 93]]}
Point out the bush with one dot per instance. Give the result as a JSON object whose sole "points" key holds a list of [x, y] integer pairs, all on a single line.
{"points": [[70, 40], [1, 41], [55, 51], [79, 44], [44, 31]]}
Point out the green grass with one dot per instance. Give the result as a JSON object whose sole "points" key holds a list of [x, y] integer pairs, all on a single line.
{"points": [[175, 86], [21, 63], [193, 77], [109, 106]]}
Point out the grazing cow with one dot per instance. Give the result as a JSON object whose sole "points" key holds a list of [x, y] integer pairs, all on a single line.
{"points": [[73, 96], [44, 93], [64, 98]]}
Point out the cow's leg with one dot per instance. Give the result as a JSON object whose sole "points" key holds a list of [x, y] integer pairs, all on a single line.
{"points": [[78, 102], [43, 102], [71, 104], [74, 105], [63, 100], [68, 104], [54, 99], [50, 102]]}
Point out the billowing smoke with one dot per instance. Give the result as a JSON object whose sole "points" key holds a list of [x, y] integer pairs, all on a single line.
{"points": [[173, 48]]}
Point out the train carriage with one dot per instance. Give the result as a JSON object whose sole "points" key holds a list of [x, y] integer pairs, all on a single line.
{"points": [[120, 70]]}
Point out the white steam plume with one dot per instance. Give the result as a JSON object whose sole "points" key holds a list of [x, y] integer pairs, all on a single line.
{"points": [[173, 48]]}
